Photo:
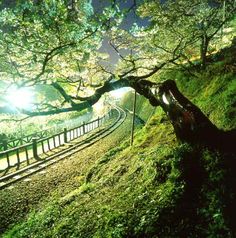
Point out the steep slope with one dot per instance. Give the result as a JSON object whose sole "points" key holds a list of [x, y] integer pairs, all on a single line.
{"points": [[58, 180], [157, 188]]}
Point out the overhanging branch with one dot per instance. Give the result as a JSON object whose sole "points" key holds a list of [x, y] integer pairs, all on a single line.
{"points": [[139, 83]]}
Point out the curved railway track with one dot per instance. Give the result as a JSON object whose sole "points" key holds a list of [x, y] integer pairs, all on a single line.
{"points": [[27, 171]]}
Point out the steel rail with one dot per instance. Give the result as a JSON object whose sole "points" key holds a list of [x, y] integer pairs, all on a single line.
{"points": [[29, 170]]}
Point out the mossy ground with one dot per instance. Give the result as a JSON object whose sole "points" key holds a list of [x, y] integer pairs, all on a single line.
{"points": [[157, 188]]}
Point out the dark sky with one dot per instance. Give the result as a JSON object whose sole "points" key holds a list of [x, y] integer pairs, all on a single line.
{"points": [[7, 3], [130, 19]]}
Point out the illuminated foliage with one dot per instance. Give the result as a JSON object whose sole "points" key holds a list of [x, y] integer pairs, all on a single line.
{"points": [[57, 44]]}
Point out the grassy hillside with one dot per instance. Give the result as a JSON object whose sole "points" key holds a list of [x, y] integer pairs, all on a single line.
{"points": [[144, 109], [157, 188]]}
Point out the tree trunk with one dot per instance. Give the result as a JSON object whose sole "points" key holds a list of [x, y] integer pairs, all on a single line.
{"points": [[189, 122]]}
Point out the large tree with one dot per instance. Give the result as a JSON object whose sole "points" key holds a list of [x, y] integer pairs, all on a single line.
{"points": [[54, 44]]}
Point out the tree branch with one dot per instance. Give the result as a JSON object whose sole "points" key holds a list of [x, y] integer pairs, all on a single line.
{"points": [[63, 93]]}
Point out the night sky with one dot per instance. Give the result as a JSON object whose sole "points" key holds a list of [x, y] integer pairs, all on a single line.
{"points": [[131, 18]]}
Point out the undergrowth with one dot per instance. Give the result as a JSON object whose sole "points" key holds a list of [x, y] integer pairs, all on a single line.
{"points": [[157, 188]]}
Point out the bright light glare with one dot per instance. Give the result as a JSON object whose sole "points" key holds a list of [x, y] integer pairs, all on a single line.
{"points": [[119, 93], [20, 97], [99, 107]]}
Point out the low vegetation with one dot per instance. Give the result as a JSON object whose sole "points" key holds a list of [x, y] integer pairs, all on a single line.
{"points": [[157, 188]]}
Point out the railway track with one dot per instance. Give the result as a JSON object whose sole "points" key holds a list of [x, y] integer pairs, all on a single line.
{"points": [[40, 165]]}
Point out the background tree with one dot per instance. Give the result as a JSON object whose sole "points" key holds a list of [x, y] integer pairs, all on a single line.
{"points": [[194, 26]]}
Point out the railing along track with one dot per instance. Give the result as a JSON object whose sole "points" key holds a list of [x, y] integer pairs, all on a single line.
{"points": [[29, 170]]}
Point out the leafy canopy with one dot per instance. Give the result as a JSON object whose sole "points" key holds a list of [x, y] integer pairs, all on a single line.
{"points": [[55, 47]]}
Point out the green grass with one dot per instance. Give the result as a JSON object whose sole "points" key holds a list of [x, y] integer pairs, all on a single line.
{"points": [[157, 188], [214, 92]]}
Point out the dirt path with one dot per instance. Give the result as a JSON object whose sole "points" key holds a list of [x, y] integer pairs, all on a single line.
{"points": [[17, 201]]}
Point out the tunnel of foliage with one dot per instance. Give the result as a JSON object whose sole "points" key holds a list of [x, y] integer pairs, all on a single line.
{"points": [[179, 178]]}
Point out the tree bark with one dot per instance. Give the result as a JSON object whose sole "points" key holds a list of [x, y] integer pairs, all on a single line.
{"points": [[189, 122]]}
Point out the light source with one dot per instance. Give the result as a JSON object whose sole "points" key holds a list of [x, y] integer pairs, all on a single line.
{"points": [[19, 97]]}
